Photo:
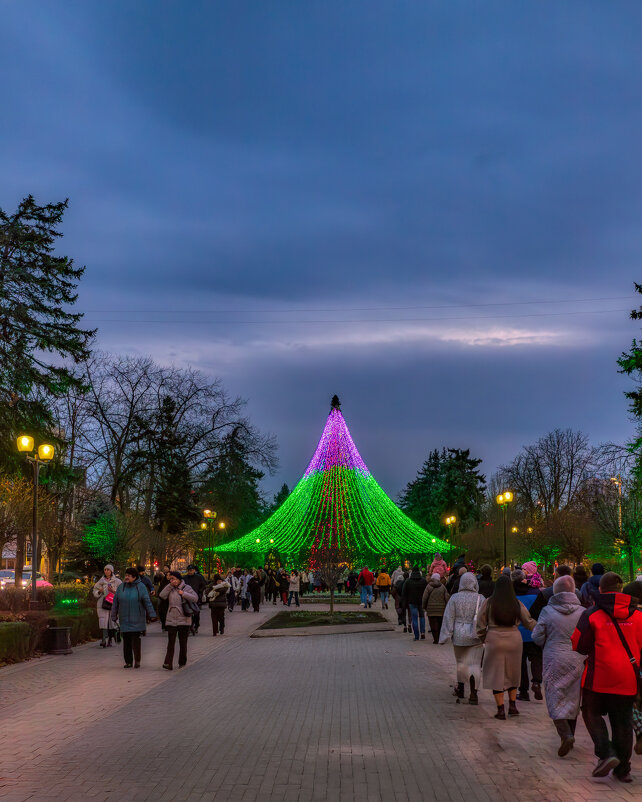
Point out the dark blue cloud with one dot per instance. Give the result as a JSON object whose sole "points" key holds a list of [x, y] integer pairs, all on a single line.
{"points": [[245, 155]]}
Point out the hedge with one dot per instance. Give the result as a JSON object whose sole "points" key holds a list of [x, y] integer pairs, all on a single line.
{"points": [[15, 640]]}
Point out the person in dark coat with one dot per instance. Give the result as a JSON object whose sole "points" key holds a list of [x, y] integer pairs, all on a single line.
{"points": [[216, 594], [531, 652], [145, 580], [254, 588], [580, 576], [591, 588], [197, 583], [485, 581], [453, 579], [284, 586], [131, 608], [412, 594]]}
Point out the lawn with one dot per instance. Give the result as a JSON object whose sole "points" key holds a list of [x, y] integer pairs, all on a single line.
{"points": [[310, 618]]}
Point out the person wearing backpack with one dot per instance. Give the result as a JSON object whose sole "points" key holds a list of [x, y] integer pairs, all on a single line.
{"points": [[434, 603], [181, 602], [131, 608], [610, 635]]}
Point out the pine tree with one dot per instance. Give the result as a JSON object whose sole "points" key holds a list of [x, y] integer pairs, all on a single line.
{"points": [[36, 290]]}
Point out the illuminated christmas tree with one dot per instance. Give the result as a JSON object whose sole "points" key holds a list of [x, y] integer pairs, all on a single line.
{"points": [[337, 503]]}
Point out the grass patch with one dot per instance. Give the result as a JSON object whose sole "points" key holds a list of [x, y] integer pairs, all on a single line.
{"points": [[311, 618]]}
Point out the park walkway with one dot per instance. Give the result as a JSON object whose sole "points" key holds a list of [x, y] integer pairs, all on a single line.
{"points": [[363, 717]]}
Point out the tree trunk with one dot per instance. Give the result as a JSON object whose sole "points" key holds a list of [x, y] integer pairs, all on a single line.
{"points": [[332, 601]]}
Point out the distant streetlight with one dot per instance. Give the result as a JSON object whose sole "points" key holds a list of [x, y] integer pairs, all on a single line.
{"points": [[43, 456], [504, 499], [209, 516], [451, 520]]}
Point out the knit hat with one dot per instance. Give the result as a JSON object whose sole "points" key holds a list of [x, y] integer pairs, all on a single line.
{"points": [[517, 575], [436, 577], [110, 566], [529, 568], [564, 584]]}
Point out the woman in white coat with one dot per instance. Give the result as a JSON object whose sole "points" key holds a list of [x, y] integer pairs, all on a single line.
{"points": [[460, 624], [104, 591]]}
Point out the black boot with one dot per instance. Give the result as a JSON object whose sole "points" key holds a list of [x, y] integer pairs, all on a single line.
{"points": [[459, 690], [500, 714], [472, 699], [512, 709]]}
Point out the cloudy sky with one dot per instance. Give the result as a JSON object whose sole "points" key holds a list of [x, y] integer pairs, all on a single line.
{"points": [[432, 209]]}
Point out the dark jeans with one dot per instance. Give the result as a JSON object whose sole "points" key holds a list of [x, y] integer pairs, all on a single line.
{"points": [[196, 620], [294, 593], [619, 709], [565, 727], [131, 647], [435, 622], [183, 634], [231, 599], [418, 620], [533, 652], [218, 619]]}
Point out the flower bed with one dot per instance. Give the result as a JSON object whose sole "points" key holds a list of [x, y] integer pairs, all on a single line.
{"points": [[314, 618]]}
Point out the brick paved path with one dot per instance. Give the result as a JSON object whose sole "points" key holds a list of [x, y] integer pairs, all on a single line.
{"points": [[362, 717]]}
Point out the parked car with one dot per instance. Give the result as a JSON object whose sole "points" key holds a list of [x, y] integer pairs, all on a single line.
{"points": [[8, 577]]}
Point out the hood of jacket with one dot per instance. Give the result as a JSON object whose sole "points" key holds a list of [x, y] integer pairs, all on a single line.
{"points": [[619, 605], [565, 602], [435, 583]]}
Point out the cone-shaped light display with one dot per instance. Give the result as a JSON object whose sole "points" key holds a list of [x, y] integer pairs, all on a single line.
{"points": [[337, 502]]}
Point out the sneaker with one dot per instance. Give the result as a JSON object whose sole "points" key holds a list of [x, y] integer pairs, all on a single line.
{"points": [[127, 665], [537, 691], [423, 637], [624, 778], [405, 629], [604, 766], [363, 605], [473, 700], [566, 746], [524, 696], [167, 667]]}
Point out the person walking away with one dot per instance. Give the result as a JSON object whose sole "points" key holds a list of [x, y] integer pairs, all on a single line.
{"points": [[384, 584], [293, 588], [580, 576], [531, 652], [497, 628], [434, 603], [591, 588], [366, 580], [396, 592], [104, 591], [216, 594], [460, 625], [412, 593], [563, 667], [197, 583], [181, 597], [304, 583], [396, 575], [284, 586], [163, 581], [273, 587], [254, 589], [610, 635], [438, 566], [453, 577], [545, 594], [485, 581], [131, 608]]}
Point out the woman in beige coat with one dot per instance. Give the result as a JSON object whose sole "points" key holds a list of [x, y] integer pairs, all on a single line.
{"points": [[497, 627], [176, 622], [104, 591]]}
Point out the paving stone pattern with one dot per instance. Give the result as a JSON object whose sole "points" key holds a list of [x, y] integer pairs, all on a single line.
{"points": [[363, 717]]}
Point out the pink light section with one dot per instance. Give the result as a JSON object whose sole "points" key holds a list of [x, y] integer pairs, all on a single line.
{"points": [[336, 448]]}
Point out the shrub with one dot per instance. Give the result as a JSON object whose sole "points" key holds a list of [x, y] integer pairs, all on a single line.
{"points": [[13, 599], [15, 641], [83, 624]]}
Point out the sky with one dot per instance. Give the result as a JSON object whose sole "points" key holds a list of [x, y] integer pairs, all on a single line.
{"points": [[431, 209]]}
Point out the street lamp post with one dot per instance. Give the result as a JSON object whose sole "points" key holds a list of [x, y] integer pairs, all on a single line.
{"points": [[43, 455], [451, 520], [504, 499], [209, 516]]}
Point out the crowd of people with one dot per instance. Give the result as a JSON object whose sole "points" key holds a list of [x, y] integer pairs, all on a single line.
{"points": [[577, 640]]}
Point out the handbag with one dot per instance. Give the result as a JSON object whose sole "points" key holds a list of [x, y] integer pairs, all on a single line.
{"points": [[189, 608], [632, 660], [108, 601]]}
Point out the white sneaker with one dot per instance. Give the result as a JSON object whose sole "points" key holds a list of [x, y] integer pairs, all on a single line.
{"points": [[363, 605]]}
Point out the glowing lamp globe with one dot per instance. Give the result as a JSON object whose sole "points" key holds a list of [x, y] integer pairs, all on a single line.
{"points": [[45, 452], [25, 443]]}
